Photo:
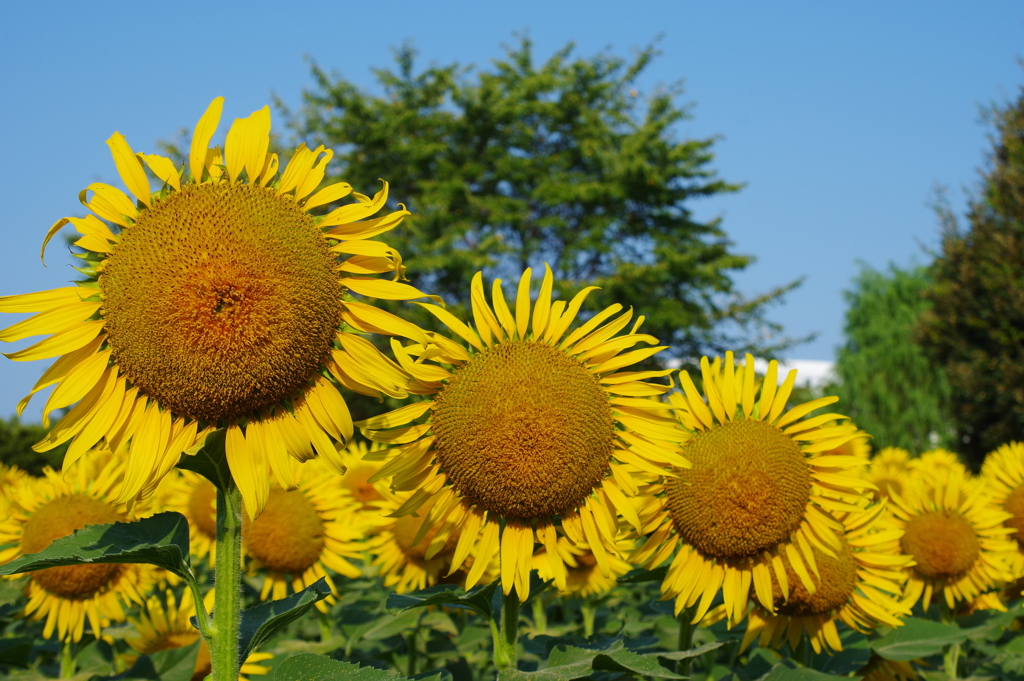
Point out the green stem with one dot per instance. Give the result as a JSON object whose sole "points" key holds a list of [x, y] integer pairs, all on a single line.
{"points": [[410, 643], [506, 644], [324, 620], [227, 608], [589, 612], [685, 639], [540, 616], [951, 660], [202, 617], [67, 660]]}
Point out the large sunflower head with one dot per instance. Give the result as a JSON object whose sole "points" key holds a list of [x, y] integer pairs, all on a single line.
{"points": [[956, 536], [305, 531], [166, 626], [220, 300], [42, 510], [531, 429], [763, 486], [861, 583], [1003, 473]]}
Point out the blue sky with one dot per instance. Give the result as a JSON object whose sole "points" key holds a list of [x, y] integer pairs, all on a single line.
{"points": [[840, 118]]}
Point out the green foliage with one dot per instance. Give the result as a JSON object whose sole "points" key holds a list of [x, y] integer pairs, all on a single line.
{"points": [[160, 540], [917, 638], [16, 440], [562, 162], [262, 622], [887, 384], [975, 328]]}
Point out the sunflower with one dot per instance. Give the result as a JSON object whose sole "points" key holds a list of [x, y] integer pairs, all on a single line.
{"points": [[881, 669], [195, 497], [305, 531], [399, 549], [955, 535], [860, 585], [583, 578], [358, 471], [532, 430], [1003, 475], [888, 470], [219, 302], [758, 498], [52, 507], [166, 627], [938, 465]]}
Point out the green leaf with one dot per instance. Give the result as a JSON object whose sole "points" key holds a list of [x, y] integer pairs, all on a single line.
{"points": [[11, 590], [14, 652], [989, 625], [564, 664], [176, 664], [160, 540], [319, 668], [209, 461], [263, 621], [627, 661], [917, 638], [787, 670], [478, 600], [692, 652]]}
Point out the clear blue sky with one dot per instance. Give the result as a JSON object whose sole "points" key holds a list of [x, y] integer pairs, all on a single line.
{"points": [[841, 118]]}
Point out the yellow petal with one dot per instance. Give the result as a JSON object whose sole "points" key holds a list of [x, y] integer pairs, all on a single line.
{"points": [[385, 290], [109, 203], [201, 137], [334, 192], [52, 321], [523, 304], [164, 168], [542, 306], [129, 168], [66, 341], [41, 301], [248, 466]]}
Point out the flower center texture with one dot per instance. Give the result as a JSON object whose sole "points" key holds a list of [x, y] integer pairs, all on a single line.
{"points": [[222, 299], [289, 536], [838, 580], [745, 493], [59, 518], [1014, 505], [524, 430], [202, 506], [943, 543]]}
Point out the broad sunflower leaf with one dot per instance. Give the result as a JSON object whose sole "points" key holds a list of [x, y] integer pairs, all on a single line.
{"points": [[989, 625], [176, 664], [261, 622], [320, 668], [564, 664], [160, 540], [478, 600], [917, 638]]}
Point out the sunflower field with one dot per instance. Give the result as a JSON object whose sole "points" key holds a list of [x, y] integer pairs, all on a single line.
{"points": [[529, 500]]}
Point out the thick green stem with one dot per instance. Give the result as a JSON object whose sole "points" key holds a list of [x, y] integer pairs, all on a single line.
{"points": [[324, 620], [589, 612], [67, 660], [685, 640], [540, 616], [227, 608], [506, 645]]}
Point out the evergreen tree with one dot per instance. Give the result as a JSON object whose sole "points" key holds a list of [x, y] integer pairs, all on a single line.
{"points": [[887, 385], [975, 328], [563, 163]]}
